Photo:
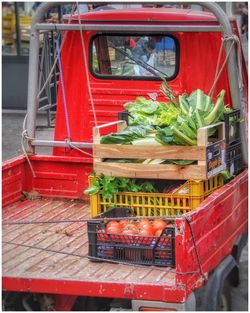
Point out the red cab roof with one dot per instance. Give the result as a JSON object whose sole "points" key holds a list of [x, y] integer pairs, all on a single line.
{"points": [[154, 15]]}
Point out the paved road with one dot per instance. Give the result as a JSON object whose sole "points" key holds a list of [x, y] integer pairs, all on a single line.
{"points": [[11, 147]]}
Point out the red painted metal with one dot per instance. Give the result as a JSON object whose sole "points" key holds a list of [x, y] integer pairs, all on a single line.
{"points": [[216, 224], [56, 176], [13, 180], [171, 15], [198, 59], [117, 290]]}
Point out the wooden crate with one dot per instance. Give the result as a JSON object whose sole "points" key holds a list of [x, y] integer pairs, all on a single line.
{"points": [[210, 157]]}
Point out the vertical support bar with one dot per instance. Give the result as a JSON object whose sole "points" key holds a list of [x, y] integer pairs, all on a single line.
{"points": [[232, 72], [18, 38], [32, 104]]}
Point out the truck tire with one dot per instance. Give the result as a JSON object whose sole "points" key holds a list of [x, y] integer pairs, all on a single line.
{"points": [[215, 295], [224, 298]]}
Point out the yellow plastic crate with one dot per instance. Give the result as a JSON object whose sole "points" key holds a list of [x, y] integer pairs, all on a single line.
{"points": [[187, 197]]}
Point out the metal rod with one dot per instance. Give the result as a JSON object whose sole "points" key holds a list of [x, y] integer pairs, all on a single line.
{"points": [[46, 106], [18, 35], [54, 143], [42, 99], [129, 28], [32, 102], [34, 49], [232, 71]]}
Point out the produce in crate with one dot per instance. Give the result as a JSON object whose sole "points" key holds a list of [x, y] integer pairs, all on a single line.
{"points": [[171, 123], [143, 227], [148, 241], [191, 146], [160, 198]]}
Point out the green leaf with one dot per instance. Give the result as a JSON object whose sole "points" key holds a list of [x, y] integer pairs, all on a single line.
{"points": [[198, 100], [92, 190], [164, 136]]}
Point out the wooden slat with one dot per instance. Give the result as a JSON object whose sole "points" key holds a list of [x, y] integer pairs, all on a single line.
{"points": [[27, 262], [150, 152], [156, 171]]}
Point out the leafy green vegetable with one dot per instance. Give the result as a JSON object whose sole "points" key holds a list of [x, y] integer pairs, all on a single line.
{"points": [[111, 185], [198, 100], [127, 136], [184, 104], [164, 136], [227, 176], [218, 110], [180, 134], [142, 105], [180, 162], [155, 123], [148, 141], [167, 116], [151, 112]]}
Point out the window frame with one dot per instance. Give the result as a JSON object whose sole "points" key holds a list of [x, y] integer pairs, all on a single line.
{"points": [[132, 78]]}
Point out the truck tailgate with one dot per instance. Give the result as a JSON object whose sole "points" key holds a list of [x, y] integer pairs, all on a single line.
{"points": [[52, 257]]}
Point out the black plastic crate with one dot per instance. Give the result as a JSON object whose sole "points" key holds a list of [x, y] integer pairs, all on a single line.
{"points": [[232, 126], [135, 249], [234, 158], [124, 115]]}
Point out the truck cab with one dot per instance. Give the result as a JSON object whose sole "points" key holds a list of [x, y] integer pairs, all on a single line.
{"points": [[105, 59]]}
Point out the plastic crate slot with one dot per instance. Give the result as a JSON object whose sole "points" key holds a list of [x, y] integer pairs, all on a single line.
{"points": [[232, 126], [234, 158]]}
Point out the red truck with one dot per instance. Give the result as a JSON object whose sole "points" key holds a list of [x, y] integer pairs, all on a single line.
{"points": [[45, 263]]}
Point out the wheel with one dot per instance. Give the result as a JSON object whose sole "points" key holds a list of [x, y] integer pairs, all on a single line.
{"points": [[224, 297], [12, 301]]}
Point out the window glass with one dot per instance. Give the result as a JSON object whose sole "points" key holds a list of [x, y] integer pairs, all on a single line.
{"points": [[8, 28], [134, 56]]}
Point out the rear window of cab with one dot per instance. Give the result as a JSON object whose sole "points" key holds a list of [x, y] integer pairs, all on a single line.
{"points": [[141, 57]]}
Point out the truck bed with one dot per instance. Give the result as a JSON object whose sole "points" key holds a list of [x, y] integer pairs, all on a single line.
{"points": [[44, 257], [47, 254]]}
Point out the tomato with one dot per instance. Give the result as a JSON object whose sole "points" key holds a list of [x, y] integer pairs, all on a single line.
{"points": [[143, 222], [112, 223], [145, 237], [129, 231], [149, 227], [146, 232], [158, 232], [131, 226], [159, 224], [113, 229], [114, 232], [123, 223], [127, 238]]}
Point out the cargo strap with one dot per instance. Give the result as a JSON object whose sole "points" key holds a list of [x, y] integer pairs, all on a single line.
{"points": [[235, 40], [85, 256], [26, 138], [195, 249]]}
